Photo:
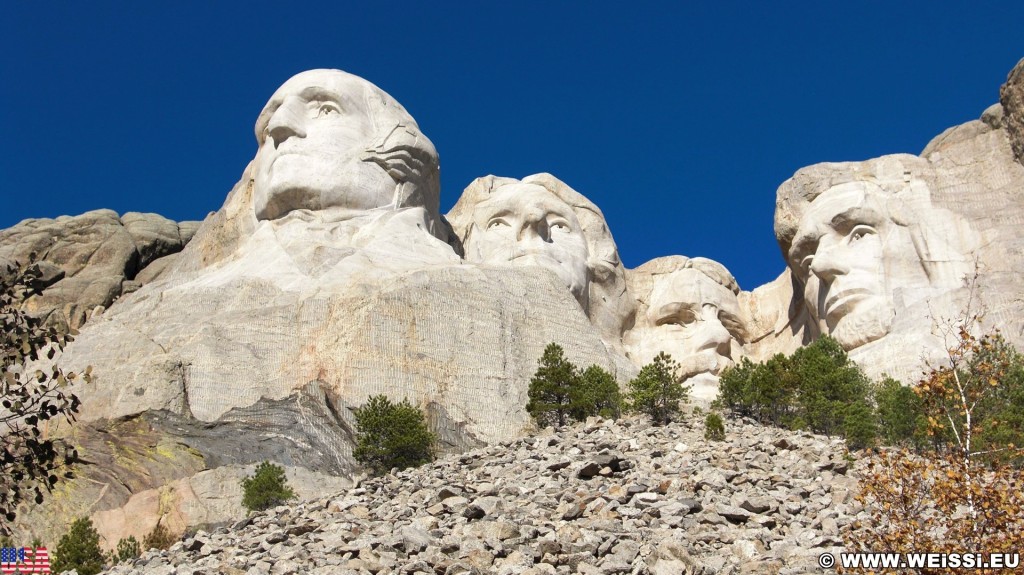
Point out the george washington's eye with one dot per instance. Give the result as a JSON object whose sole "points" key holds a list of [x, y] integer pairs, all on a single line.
{"points": [[497, 223], [860, 231], [324, 109], [560, 225]]}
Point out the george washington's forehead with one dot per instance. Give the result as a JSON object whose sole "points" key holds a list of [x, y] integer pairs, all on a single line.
{"points": [[352, 92], [321, 82]]}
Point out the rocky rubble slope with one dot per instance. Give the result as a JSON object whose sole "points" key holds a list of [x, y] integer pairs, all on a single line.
{"points": [[605, 497]]}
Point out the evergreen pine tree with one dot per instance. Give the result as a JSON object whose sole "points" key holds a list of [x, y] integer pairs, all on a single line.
{"points": [[595, 393], [658, 389], [267, 488], [79, 549], [551, 388], [392, 435]]}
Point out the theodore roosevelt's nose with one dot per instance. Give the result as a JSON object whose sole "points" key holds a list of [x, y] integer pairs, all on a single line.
{"points": [[713, 334]]}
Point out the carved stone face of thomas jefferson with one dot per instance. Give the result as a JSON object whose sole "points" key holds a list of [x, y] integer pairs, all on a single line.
{"points": [[313, 134], [849, 256], [525, 224]]}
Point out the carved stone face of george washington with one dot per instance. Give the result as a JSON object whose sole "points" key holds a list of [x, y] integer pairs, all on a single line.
{"points": [[329, 140]]}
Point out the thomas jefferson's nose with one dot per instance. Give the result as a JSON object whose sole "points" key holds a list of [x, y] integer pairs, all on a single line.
{"points": [[534, 225], [287, 121], [828, 262]]}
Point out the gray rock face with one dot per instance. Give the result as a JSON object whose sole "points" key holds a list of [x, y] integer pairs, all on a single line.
{"points": [[464, 338], [91, 260], [1011, 96], [160, 466]]}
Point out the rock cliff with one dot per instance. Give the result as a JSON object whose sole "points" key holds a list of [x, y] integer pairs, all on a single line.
{"points": [[89, 261], [329, 275]]}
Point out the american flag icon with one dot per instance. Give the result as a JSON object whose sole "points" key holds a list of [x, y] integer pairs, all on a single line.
{"points": [[24, 560]]}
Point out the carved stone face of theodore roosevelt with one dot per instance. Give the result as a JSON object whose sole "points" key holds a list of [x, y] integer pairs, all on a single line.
{"points": [[695, 319], [526, 224]]}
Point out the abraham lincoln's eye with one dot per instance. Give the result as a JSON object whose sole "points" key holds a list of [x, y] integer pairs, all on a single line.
{"points": [[805, 264], [860, 231]]}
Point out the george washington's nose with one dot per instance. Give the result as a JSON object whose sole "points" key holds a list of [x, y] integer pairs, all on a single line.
{"points": [[287, 121]]}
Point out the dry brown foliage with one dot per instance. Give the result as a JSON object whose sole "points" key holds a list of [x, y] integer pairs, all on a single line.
{"points": [[963, 496]]}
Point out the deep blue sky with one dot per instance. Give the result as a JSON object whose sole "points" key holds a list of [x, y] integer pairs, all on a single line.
{"points": [[678, 121]]}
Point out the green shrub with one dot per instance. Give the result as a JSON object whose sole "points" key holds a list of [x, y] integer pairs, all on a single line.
{"points": [[79, 549], [267, 488], [159, 538], [658, 389], [559, 391], [766, 391], [828, 383], [900, 415], [859, 427], [391, 435], [714, 427], [595, 392], [817, 388], [127, 549]]}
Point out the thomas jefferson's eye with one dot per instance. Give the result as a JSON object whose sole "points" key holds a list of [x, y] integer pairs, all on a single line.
{"points": [[860, 231], [326, 109], [560, 225]]}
